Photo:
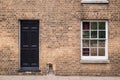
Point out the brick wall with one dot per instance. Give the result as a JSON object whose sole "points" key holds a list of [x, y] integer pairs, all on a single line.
{"points": [[59, 35]]}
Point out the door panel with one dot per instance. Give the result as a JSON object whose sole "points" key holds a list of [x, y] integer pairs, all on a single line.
{"points": [[29, 44]]}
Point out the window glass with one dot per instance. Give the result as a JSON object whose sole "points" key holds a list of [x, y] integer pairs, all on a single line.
{"points": [[93, 51], [85, 43], [101, 34], [93, 34], [101, 43], [85, 34], [86, 51], [93, 25], [101, 25], [93, 43], [101, 51], [86, 25]]}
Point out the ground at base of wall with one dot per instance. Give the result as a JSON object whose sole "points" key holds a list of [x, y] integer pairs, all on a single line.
{"points": [[52, 77]]}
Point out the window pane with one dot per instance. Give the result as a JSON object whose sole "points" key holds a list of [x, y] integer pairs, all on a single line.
{"points": [[86, 25], [93, 34], [101, 34], [93, 43], [102, 25], [93, 51], [93, 25], [101, 43], [85, 43], [101, 52], [85, 51], [85, 34]]}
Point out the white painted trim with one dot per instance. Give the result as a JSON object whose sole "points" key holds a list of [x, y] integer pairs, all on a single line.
{"points": [[81, 39], [106, 46], [94, 1], [106, 43], [95, 61]]}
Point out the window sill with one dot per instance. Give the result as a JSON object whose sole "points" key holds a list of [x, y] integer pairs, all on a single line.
{"points": [[95, 61], [95, 1]]}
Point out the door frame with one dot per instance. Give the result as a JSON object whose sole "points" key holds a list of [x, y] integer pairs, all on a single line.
{"points": [[19, 42]]}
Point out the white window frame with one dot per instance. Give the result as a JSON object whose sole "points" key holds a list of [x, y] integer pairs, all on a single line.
{"points": [[106, 42], [94, 1]]}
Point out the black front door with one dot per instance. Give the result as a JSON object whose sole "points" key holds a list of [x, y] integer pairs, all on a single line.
{"points": [[29, 40]]}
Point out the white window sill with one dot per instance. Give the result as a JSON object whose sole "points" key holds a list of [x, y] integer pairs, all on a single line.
{"points": [[95, 61], [94, 1]]}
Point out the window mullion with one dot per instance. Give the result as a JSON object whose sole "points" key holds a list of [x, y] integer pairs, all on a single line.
{"points": [[90, 40]]}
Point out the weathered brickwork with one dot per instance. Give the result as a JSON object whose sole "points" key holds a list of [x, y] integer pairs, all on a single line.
{"points": [[60, 22]]}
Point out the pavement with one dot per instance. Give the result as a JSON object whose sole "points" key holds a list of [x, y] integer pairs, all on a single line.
{"points": [[53, 77]]}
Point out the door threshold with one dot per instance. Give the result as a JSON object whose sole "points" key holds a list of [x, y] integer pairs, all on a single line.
{"points": [[29, 70]]}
